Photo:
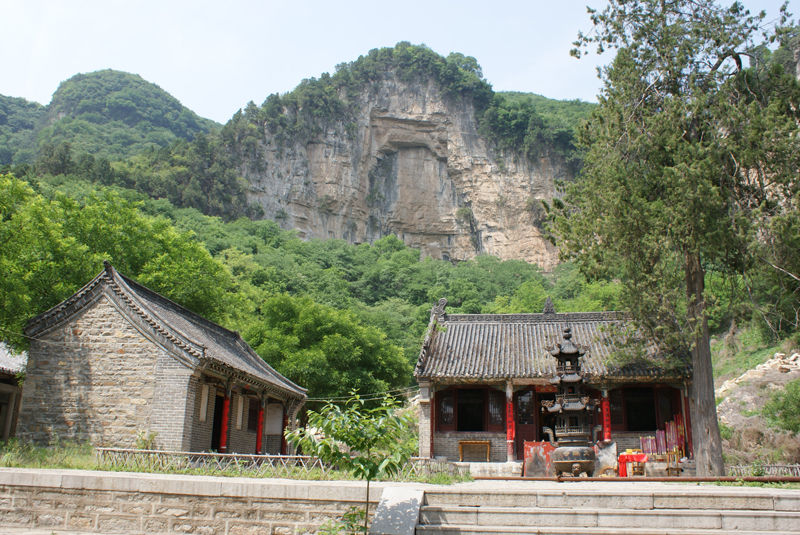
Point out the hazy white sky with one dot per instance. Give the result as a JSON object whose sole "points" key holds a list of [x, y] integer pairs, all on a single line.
{"points": [[215, 56]]}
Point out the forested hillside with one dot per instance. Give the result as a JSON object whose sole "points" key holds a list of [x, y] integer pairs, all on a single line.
{"points": [[315, 309], [106, 114], [18, 121]]}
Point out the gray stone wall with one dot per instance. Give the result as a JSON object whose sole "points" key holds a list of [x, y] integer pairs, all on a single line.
{"points": [[104, 502], [425, 429], [272, 444], [89, 379], [446, 444], [201, 436], [172, 418]]}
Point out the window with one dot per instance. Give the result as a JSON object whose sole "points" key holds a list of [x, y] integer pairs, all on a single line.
{"points": [[447, 410], [524, 409], [252, 415], [497, 411], [471, 409]]}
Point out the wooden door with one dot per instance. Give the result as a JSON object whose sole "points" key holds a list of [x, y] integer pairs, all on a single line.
{"points": [[526, 414]]}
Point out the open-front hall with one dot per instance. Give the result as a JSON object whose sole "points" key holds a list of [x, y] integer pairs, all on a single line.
{"points": [[485, 378]]}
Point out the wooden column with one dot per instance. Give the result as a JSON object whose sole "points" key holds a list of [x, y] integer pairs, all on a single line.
{"points": [[605, 407], [434, 407], [260, 428], [510, 423], [223, 428]]}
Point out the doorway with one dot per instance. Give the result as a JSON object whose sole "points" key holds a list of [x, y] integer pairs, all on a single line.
{"points": [[526, 414]]}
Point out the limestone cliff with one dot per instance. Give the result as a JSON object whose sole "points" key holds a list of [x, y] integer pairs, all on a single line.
{"points": [[408, 160]]}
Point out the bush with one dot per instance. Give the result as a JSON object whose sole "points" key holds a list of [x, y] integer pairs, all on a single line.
{"points": [[783, 408]]}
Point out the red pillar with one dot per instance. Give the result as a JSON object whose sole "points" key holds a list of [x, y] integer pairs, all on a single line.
{"points": [[510, 423], [260, 429], [223, 429], [606, 409]]}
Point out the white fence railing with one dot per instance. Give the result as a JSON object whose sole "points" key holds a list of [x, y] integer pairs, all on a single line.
{"points": [[286, 466], [755, 470]]}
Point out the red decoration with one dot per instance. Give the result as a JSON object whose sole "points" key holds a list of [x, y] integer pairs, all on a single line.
{"points": [[606, 408], [259, 429], [223, 429], [510, 429]]}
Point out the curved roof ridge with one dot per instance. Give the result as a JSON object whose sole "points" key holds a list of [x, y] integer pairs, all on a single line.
{"points": [[53, 315], [559, 317], [205, 323], [153, 319]]}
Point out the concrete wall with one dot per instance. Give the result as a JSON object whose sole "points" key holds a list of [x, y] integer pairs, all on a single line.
{"points": [[107, 502], [89, 379]]}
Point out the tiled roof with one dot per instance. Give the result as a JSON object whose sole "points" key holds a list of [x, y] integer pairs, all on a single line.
{"points": [[508, 346], [203, 341], [219, 344]]}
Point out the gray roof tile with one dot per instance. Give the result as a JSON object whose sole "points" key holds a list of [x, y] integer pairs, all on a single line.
{"points": [[508, 346]]}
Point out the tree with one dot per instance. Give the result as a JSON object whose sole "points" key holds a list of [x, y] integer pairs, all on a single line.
{"points": [[53, 247], [367, 442], [326, 350], [682, 154]]}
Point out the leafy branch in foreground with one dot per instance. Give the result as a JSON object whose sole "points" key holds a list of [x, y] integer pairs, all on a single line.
{"points": [[365, 441]]}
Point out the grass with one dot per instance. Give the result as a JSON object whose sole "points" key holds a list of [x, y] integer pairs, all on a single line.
{"points": [[788, 485], [17, 454], [751, 351]]}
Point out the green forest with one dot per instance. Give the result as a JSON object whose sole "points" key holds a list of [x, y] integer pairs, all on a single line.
{"points": [[314, 309]]}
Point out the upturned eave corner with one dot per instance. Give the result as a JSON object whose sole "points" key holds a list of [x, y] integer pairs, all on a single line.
{"points": [[437, 313]]}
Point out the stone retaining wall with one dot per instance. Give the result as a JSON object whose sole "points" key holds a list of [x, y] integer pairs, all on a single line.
{"points": [[107, 502]]}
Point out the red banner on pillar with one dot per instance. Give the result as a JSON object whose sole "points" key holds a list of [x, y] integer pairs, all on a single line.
{"points": [[606, 408], [510, 429]]}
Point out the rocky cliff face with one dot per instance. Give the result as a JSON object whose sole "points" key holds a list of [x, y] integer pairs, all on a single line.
{"points": [[411, 163]]}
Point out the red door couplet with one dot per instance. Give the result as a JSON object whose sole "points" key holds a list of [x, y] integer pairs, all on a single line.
{"points": [[223, 430], [606, 409], [260, 429]]}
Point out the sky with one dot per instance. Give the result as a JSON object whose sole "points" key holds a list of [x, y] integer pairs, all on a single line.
{"points": [[216, 56]]}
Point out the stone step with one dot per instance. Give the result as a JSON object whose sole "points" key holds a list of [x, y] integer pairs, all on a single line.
{"points": [[683, 497], [703, 519], [553, 530]]}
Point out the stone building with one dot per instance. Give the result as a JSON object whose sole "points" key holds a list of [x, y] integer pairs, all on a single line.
{"points": [[117, 362], [483, 378]]}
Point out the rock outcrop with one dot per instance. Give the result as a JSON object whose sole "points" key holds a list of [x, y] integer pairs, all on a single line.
{"points": [[410, 163]]}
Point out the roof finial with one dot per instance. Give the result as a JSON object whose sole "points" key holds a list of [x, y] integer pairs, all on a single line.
{"points": [[548, 307], [439, 308], [107, 266]]}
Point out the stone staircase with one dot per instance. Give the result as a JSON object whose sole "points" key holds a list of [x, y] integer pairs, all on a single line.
{"points": [[608, 508]]}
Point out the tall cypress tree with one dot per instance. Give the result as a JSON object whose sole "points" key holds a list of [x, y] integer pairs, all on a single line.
{"points": [[682, 155]]}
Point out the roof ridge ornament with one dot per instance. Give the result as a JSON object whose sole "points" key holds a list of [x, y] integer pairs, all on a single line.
{"points": [[548, 307], [438, 310]]}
